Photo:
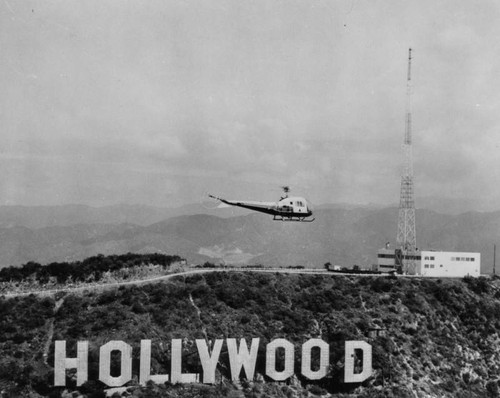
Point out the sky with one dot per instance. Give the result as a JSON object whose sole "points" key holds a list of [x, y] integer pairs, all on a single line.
{"points": [[158, 102]]}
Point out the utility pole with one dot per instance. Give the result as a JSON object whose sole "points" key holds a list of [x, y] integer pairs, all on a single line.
{"points": [[406, 240], [494, 260]]}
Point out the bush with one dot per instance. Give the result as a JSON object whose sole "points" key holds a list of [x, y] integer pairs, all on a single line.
{"points": [[477, 285], [382, 284]]}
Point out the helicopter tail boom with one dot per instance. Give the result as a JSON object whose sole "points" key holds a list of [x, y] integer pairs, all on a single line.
{"points": [[294, 209]]}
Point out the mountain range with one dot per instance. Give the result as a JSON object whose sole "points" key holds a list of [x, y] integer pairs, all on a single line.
{"points": [[340, 234]]}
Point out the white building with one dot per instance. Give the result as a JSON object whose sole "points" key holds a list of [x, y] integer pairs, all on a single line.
{"points": [[391, 260], [455, 264], [433, 263]]}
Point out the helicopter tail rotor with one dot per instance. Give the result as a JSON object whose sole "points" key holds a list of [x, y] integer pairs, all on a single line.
{"points": [[219, 202], [209, 204]]}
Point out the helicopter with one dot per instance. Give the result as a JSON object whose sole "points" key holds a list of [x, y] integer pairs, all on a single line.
{"points": [[286, 209]]}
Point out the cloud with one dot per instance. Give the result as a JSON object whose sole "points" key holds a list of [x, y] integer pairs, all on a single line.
{"points": [[144, 101]]}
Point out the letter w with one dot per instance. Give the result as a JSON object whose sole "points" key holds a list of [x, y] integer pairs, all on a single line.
{"points": [[242, 358]]}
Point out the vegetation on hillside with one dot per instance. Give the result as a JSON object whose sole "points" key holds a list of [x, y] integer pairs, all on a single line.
{"points": [[94, 270], [80, 270], [429, 337]]}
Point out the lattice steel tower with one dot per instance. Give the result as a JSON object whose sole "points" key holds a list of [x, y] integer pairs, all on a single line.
{"points": [[406, 240]]}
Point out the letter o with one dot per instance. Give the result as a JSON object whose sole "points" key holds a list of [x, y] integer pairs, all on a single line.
{"points": [[324, 360], [105, 363], [271, 359]]}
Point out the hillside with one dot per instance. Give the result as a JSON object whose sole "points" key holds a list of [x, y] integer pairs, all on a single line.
{"points": [[340, 236], [440, 336], [35, 217]]}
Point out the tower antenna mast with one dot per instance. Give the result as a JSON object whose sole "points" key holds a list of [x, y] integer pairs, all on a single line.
{"points": [[406, 240]]}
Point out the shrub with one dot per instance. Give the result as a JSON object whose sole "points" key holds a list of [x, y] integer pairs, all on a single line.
{"points": [[477, 285]]}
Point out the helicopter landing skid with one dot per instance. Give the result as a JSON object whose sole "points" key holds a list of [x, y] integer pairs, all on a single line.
{"points": [[295, 219]]}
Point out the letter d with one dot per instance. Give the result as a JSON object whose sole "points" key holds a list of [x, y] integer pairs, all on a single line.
{"points": [[350, 348]]}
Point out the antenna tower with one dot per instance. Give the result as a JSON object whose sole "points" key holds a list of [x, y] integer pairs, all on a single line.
{"points": [[406, 240]]}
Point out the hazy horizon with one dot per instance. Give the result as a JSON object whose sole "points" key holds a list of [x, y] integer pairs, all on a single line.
{"points": [[158, 102], [438, 205]]}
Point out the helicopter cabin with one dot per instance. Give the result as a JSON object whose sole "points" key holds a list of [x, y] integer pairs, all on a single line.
{"points": [[293, 205]]}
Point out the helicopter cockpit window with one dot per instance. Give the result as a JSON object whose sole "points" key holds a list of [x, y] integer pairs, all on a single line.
{"points": [[300, 204]]}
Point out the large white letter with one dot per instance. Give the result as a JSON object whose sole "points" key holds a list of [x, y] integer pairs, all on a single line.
{"points": [[324, 360], [105, 363], [145, 371], [61, 363], [350, 347], [209, 363], [242, 358], [271, 359], [176, 366]]}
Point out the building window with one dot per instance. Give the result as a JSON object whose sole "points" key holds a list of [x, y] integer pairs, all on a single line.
{"points": [[472, 259], [441, 265], [426, 258], [386, 256], [426, 266], [432, 265], [432, 257]]}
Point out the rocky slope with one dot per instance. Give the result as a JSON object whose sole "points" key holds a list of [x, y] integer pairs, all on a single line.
{"points": [[437, 338]]}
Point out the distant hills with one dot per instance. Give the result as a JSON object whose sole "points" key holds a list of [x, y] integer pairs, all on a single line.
{"points": [[65, 215], [49, 216], [340, 235]]}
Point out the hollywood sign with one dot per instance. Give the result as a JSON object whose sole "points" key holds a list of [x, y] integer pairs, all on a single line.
{"points": [[240, 358]]}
